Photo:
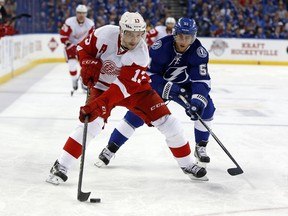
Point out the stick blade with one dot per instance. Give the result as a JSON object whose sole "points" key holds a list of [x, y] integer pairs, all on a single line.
{"points": [[82, 196], [235, 171]]}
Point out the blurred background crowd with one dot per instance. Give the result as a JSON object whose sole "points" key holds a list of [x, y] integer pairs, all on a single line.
{"points": [[215, 18]]}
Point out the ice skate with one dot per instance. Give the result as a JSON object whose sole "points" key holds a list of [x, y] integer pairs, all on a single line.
{"points": [[104, 157], [107, 153], [57, 174], [200, 154], [74, 86], [195, 172]]}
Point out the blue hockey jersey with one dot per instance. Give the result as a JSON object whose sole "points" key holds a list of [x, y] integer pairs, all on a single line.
{"points": [[189, 69]]}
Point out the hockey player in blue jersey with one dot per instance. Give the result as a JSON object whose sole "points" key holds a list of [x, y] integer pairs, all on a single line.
{"points": [[178, 67]]}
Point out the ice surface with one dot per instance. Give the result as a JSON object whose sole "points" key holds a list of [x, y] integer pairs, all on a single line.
{"points": [[37, 114]]}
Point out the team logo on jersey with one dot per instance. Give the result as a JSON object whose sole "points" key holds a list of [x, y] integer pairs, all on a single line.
{"points": [[156, 45], [110, 68], [201, 52], [176, 74]]}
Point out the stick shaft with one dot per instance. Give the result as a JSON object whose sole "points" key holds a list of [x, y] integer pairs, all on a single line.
{"points": [[217, 140], [81, 195], [82, 157]]}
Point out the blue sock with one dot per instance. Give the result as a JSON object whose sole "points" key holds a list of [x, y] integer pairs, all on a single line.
{"points": [[132, 122], [117, 138], [200, 135]]}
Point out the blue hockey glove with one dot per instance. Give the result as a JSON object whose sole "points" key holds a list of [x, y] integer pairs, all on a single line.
{"points": [[171, 91], [197, 105]]}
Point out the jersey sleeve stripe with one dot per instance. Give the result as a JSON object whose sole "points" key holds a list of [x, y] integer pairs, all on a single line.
{"points": [[207, 82], [122, 88]]}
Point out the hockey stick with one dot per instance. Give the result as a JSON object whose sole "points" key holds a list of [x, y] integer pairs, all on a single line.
{"points": [[83, 196], [232, 171], [19, 16]]}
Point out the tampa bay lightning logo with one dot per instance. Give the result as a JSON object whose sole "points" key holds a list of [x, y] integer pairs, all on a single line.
{"points": [[201, 52], [176, 74], [156, 45]]}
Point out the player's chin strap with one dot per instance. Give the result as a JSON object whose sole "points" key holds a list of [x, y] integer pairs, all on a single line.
{"points": [[232, 171]]}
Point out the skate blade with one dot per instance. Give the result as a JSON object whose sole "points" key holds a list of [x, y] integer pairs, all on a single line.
{"points": [[99, 164], [204, 178], [55, 180]]}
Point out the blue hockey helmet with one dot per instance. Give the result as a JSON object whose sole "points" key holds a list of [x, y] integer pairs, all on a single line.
{"points": [[185, 26]]}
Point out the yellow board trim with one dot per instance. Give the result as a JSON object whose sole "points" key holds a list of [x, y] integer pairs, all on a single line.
{"points": [[28, 67]]}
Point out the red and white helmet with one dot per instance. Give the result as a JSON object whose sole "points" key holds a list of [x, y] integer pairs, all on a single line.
{"points": [[131, 21]]}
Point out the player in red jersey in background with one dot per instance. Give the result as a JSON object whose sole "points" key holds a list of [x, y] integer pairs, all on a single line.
{"points": [[113, 62], [160, 31], [74, 30]]}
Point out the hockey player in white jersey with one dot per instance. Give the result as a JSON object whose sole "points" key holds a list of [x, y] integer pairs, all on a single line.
{"points": [[74, 30], [160, 31], [113, 63]]}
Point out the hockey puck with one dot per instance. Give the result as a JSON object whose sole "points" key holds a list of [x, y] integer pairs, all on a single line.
{"points": [[95, 200]]}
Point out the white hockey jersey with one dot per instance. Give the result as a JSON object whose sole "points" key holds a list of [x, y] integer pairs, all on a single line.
{"points": [[74, 31], [161, 32], [156, 33], [126, 69]]}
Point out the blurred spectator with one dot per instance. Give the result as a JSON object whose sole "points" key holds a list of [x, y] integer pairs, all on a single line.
{"points": [[219, 32], [6, 21], [260, 33], [239, 18], [204, 24], [208, 13], [7, 29], [279, 32], [3, 12], [229, 32], [270, 8], [282, 11]]}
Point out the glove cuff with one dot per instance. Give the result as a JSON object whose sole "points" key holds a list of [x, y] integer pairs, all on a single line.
{"points": [[200, 98], [166, 90]]}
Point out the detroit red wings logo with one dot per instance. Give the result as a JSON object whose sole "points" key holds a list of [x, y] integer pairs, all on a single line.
{"points": [[110, 68]]}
